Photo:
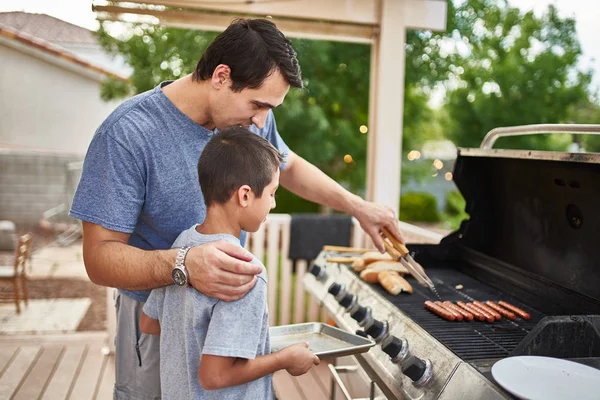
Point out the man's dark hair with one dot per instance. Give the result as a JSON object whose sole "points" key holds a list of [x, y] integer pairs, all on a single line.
{"points": [[235, 157], [253, 49]]}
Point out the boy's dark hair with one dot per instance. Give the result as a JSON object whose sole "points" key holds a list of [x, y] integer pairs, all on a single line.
{"points": [[235, 157], [253, 49]]}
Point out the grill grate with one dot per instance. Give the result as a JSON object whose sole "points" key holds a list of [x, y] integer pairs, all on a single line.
{"points": [[469, 340]]}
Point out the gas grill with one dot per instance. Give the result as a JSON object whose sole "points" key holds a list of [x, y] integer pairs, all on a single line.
{"points": [[531, 240]]}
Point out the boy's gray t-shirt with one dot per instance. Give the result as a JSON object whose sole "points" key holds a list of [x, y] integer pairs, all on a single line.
{"points": [[193, 324]]}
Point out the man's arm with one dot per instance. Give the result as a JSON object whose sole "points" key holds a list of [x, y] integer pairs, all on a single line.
{"points": [[307, 181], [217, 269]]}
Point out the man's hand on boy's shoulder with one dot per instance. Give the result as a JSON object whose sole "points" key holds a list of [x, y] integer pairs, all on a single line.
{"points": [[221, 270]]}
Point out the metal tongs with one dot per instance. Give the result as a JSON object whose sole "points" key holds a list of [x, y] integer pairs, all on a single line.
{"points": [[400, 253]]}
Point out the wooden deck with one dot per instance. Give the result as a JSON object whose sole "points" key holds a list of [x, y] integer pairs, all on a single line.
{"points": [[69, 366], [73, 366]]}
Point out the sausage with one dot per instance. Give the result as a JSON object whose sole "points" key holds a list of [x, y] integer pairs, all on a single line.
{"points": [[478, 315], [457, 316], [439, 311], [490, 310], [488, 316], [466, 315], [505, 313], [523, 314]]}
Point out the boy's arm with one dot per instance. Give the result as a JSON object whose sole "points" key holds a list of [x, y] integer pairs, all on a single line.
{"points": [[149, 322], [149, 325], [218, 372]]}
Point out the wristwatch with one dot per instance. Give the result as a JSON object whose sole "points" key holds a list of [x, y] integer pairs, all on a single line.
{"points": [[180, 274]]}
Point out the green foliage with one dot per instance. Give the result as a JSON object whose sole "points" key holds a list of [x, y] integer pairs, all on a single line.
{"points": [[455, 203], [419, 207], [586, 112], [155, 53], [321, 123], [454, 210], [515, 69], [288, 203]]}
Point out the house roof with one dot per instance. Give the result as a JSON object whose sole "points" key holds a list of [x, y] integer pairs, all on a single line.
{"points": [[53, 50], [47, 28]]}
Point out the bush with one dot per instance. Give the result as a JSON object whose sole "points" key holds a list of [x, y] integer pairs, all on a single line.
{"points": [[289, 203], [419, 207], [455, 203], [454, 210]]}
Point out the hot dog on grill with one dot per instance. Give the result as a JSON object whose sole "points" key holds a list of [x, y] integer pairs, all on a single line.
{"points": [[505, 313], [523, 314], [457, 316], [490, 310], [439, 311], [478, 314], [488, 316], [466, 315]]}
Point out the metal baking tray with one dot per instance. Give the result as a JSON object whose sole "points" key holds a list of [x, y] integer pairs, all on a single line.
{"points": [[323, 340]]}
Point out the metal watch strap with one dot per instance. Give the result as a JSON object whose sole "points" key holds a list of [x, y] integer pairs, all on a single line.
{"points": [[180, 261]]}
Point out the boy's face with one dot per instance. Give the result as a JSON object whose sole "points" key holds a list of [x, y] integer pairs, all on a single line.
{"points": [[259, 207]]}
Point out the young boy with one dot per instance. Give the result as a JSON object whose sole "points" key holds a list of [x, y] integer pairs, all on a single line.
{"points": [[211, 349]]}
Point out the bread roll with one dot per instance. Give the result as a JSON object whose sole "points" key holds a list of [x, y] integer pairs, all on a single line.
{"points": [[394, 283], [388, 266], [358, 264], [373, 256], [370, 276], [341, 260]]}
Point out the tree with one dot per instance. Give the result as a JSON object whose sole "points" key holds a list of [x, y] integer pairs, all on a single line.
{"points": [[586, 112], [514, 69]]}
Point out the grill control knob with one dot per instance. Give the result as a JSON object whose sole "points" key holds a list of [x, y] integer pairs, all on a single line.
{"points": [[315, 270], [396, 348], [318, 272], [362, 333], [348, 300], [335, 289], [359, 314], [419, 371], [376, 329]]}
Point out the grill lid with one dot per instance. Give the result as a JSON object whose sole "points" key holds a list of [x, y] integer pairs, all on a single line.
{"points": [[537, 211]]}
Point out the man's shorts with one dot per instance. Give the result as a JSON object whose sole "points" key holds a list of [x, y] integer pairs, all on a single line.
{"points": [[137, 355]]}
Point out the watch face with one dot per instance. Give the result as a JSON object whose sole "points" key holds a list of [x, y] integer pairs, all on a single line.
{"points": [[179, 277]]}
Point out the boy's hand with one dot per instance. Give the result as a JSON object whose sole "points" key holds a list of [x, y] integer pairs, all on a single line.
{"points": [[221, 270], [298, 359]]}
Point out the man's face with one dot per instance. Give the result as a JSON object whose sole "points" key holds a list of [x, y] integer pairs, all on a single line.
{"points": [[250, 106], [259, 207]]}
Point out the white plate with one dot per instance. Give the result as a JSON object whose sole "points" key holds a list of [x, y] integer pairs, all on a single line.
{"points": [[532, 377]]}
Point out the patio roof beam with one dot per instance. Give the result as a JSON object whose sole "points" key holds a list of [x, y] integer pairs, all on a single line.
{"points": [[210, 21], [345, 11]]}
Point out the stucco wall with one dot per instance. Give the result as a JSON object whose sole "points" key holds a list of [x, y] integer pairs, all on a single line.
{"points": [[47, 106]]}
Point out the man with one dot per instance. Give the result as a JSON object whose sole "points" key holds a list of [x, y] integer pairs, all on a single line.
{"points": [[139, 189]]}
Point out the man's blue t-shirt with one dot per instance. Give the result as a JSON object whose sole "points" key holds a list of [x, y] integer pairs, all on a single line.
{"points": [[140, 174]]}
